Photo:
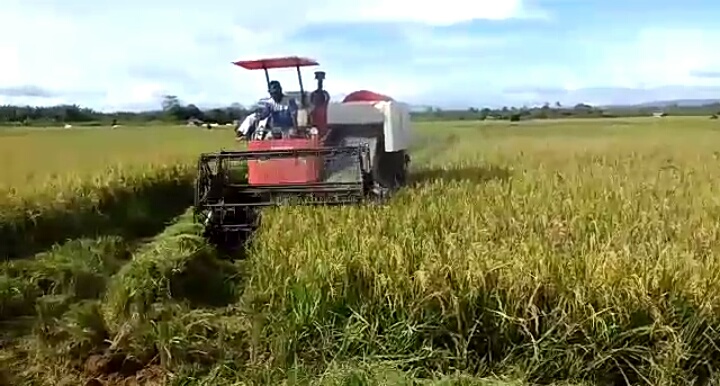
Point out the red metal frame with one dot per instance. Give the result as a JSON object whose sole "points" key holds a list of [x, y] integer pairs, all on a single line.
{"points": [[279, 62]]}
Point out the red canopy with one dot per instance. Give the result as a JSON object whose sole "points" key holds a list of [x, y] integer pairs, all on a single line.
{"points": [[366, 96], [283, 62]]}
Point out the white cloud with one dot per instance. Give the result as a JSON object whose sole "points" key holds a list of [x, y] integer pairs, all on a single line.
{"points": [[647, 64], [116, 55], [83, 47], [420, 11], [657, 57]]}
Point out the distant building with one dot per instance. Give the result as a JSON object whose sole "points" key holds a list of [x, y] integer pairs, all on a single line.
{"points": [[660, 115], [195, 122]]}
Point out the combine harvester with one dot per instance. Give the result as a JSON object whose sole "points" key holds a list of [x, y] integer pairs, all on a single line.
{"points": [[341, 153]]}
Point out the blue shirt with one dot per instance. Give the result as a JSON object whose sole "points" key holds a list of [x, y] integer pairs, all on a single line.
{"points": [[282, 116]]}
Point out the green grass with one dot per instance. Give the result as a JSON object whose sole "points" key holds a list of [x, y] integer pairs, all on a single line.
{"points": [[574, 252]]}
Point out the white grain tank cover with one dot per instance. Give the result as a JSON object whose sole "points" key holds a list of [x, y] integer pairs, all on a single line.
{"points": [[397, 125], [354, 113], [394, 116]]}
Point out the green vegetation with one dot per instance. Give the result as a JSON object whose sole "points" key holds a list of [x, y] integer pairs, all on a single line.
{"points": [[580, 251], [173, 110]]}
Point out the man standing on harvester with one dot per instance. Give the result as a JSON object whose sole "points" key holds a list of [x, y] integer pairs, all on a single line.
{"points": [[278, 113]]}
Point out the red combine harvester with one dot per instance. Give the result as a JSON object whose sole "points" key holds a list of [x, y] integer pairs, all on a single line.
{"points": [[339, 153]]}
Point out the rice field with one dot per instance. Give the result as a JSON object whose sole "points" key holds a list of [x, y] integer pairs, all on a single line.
{"points": [[579, 252]]}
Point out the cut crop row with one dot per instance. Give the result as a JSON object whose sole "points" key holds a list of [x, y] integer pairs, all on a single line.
{"points": [[132, 204]]}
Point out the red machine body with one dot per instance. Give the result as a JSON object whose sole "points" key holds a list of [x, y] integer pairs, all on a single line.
{"points": [[366, 96], [306, 169], [288, 171], [318, 115]]}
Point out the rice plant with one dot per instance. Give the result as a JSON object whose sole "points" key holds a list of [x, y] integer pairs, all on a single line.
{"points": [[554, 252]]}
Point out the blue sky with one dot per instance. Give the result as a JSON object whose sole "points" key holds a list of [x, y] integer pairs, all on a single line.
{"points": [[126, 54]]}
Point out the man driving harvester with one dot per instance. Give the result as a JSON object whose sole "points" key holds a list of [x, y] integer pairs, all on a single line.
{"points": [[275, 117]]}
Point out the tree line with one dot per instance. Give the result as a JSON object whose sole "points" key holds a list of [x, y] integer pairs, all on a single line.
{"points": [[558, 111], [172, 110]]}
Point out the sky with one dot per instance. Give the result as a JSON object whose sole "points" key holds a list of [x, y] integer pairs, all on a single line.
{"points": [[125, 55]]}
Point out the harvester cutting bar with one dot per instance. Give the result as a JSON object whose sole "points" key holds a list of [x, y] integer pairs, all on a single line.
{"points": [[317, 186], [324, 193], [234, 185], [259, 155]]}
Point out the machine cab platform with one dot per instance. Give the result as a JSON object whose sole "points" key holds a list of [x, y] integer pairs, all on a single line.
{"points": [[310, 124]]}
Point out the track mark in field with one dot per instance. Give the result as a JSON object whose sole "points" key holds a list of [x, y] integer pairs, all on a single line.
{"points": [[74, 271], [97, 286], [178, 259]]}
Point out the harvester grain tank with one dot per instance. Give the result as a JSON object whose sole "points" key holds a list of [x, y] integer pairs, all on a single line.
{"points": [[339, 153]]}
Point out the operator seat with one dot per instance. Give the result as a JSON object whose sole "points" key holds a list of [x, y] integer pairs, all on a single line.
{"points": [[283, 133]]}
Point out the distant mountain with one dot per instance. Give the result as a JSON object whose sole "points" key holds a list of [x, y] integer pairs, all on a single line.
{"points": [[678, 102]]}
